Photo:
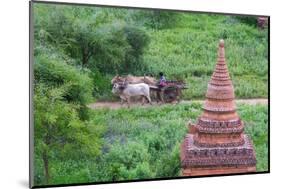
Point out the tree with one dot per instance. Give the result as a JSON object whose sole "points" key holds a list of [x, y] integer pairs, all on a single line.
{"points": [[99, 39], [138, 40], [53, 71], [157, 19], [62, 130], [59, 133]]}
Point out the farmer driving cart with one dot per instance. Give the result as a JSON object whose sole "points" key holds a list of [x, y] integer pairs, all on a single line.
{"points": [[161, 84], [162, 80], [168, 91]]}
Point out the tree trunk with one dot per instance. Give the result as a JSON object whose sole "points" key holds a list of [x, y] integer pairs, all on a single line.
{"points": [[84, 58], [46, 166]]}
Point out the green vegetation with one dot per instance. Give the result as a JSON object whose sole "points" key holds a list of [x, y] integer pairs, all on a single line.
{"points": [[189, 51], [63, 129], [148, 139], [143, 143], [109, 41], [77, 51]]}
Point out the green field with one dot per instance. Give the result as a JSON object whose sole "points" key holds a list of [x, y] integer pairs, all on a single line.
{"points": [[189, 52], [143, 143]]}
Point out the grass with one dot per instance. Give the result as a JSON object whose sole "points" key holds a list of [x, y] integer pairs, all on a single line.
{"points": [[189, 52], [143, 143]]}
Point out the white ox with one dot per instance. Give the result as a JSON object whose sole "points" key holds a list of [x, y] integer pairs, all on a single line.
{"points": [[126, 91]]}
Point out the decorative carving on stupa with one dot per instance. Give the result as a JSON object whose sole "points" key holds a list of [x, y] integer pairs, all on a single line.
{"points": [[216, 144]]}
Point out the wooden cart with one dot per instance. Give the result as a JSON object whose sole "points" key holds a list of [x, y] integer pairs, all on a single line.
{"points": [[171, 92]]}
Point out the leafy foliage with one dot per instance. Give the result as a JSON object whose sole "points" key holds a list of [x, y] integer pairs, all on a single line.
{"points": [[250, 20], [92, 37], [144, 143], [77, 84], [59, 132], [62, 127], [157, 19]]}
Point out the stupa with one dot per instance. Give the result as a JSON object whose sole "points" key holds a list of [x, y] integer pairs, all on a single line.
{"points": [[216, 144]]}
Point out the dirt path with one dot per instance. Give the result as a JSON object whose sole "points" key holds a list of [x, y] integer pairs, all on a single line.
{"points": [[117, 105]]}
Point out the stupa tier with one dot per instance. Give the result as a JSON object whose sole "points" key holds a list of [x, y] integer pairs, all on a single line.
{"points": [[216, 144]]}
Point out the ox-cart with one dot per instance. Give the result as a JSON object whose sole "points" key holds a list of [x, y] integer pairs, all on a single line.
{"points": [[170, 92]]}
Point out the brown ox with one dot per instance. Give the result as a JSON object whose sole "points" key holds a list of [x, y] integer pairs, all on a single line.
{"points": [[134, 79]]}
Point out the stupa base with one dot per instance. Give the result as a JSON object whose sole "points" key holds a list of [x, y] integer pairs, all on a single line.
{"points": [[216, 171], [216, 160]]}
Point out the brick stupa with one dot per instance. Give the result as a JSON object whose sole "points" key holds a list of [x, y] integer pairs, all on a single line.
{"points": [[216, 144]]}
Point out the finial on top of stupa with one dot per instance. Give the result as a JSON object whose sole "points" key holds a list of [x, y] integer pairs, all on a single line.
{"points": [[221, 43], [221, 52]]}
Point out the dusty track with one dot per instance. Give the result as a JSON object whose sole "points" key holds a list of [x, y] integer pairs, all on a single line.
{"points": [[117, 105]]}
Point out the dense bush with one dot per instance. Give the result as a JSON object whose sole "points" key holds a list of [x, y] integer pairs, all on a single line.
{"points": [[157, 19], [143, 143], [78, 85], [63, 130], [96, 39], [250, 20], [59, 132], [91, 38]]}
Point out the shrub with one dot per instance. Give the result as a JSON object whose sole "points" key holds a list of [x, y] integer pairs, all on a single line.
{"points": [[59, 133], [250, 20]]}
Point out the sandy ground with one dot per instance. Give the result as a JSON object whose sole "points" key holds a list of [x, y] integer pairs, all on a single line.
{"points": [[117, 105]]}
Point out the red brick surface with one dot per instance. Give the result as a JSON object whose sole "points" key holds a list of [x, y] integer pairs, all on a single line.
{"points": [[216, 143], [216, 171]]}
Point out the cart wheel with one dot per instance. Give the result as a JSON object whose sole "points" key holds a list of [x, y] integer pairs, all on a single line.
{"points": [[169, 94]]}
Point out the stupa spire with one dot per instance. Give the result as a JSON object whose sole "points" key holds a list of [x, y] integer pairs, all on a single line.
{"points": [[217, 144], [221, 75]]}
